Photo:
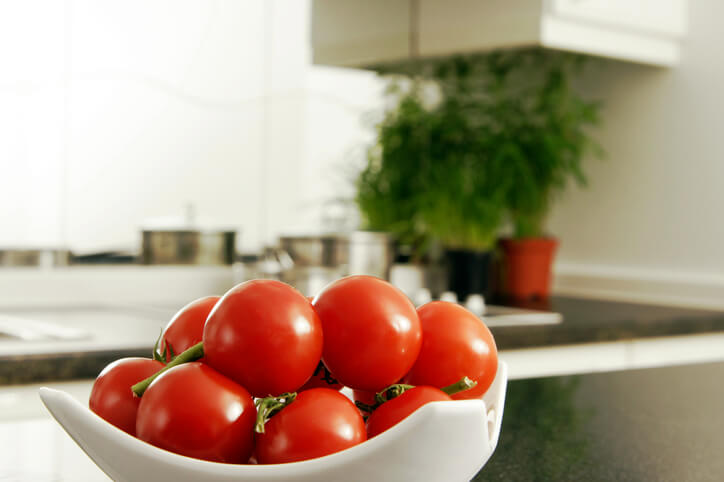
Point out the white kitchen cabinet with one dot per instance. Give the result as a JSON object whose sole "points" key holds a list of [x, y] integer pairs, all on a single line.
{"points": [[355, 32], [363, 34]]}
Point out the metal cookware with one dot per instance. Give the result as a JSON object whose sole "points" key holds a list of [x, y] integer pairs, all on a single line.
{"points": [[317, 251], [41, 257], [188, 246], [358, 252], [367, 252]]}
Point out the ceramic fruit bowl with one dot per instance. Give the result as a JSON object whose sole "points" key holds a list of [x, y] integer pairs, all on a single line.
{"points": [[440, 441]]}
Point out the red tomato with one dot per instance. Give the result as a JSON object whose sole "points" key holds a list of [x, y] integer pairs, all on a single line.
{"points": [[187, 326], [394, 411], [321, 378], [455, 343], [318, 422], [372, 333], [363, 396], [111, 396], [265, 335], [193, 410]]}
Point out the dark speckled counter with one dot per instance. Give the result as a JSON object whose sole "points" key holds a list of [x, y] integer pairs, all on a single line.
{"points": [[659, 424], [592, 321], [100, 334], [584, 321], [35, 368]]}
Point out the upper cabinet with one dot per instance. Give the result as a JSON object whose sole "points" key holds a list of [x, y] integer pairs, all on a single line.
{"points": [[358, 33]]}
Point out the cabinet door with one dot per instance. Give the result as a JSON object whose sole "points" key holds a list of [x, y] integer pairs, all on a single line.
{"points": [[666, 17], [356, 33]]}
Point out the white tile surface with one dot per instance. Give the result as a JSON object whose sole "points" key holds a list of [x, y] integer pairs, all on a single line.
{"points": [[33, 447]]}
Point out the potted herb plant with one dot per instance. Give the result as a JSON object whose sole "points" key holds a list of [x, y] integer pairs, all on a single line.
{"points": [[505, 134], [464, 205], [546, 124], [426, 181], [389, 186]]}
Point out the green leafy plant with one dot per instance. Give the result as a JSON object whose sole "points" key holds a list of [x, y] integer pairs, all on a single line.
{"points": [[389, 186], [421, 180], [543, 130], [505, 135]]}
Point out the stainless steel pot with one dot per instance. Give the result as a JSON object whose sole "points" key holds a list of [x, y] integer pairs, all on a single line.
{"points": [[358, 252], [367, 252], [312, 251], [188, 247], [43, 258]]}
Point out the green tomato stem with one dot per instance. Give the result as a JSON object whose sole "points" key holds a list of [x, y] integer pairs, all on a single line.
{"points": [[365, 407], [268, 406], [393, 391], [460, 386], [191, 354]]}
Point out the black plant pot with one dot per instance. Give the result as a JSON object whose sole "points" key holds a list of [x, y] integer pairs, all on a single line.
{"points": [[470, 272]]}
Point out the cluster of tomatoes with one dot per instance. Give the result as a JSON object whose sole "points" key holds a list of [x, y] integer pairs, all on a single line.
{"points": [[254, 376]]}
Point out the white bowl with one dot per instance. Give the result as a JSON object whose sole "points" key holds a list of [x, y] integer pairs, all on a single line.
{"points": [[440, 441]]}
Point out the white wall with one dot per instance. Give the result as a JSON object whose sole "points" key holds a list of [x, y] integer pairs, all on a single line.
{"points": [[32, 113], [113, 113], [153, 105], [341, 108], [651, 223]]}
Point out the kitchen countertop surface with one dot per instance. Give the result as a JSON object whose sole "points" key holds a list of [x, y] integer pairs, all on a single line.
{"points": [[116, 332], [591, 321], [661, 424], [107, 333], [640, 425]]}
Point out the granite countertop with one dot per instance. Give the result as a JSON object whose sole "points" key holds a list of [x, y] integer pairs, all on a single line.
{"points": [[131, 332], [661, 424], [591, 321], [112, 332], [652, 424]]}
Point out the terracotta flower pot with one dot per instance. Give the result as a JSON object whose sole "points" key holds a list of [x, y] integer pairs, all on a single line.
{"points": [[526, 270]]}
